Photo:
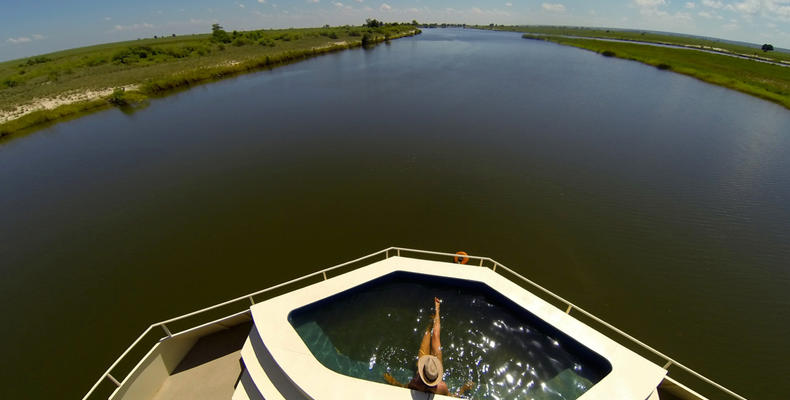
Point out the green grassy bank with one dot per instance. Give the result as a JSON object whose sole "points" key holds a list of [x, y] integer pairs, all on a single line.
{"points": [[151, 67], [650, 37], [763, 80]]}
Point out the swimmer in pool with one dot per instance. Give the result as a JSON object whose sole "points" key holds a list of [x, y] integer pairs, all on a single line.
{"points": [[429, 376]]}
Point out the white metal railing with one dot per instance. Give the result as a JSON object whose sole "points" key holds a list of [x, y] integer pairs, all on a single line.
{"points": [[396, 251]]}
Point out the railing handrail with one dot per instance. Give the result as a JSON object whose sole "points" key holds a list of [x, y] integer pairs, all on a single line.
{"points": [[163, 324], [494, 265]]}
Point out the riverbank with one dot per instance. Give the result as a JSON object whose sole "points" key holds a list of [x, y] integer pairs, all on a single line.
{"points": [[760, 79], [67, 84], [763, 80], [691, 42]]}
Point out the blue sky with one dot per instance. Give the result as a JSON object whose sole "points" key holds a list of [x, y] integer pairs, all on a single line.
{"points": [[38, 26]]}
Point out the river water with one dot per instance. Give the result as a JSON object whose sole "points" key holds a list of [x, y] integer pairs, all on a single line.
{"points": [[658, 202]]}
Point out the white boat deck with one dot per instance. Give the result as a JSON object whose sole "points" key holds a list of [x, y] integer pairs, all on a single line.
{"points": [[235, 358], [210, 369], [632, 376]]}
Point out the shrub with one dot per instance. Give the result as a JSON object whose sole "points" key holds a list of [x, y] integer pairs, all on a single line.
{"points": [[96, 61], [663, 66], [219, 35], [37, 60], [333, 35], [241, 41], [132, 55], [11, 82], [608, 53], [366, 40], [118, 97]]}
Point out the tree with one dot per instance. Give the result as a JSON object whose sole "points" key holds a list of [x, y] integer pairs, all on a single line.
{"points": [[218, 34], [768, 47], [373, 23]]}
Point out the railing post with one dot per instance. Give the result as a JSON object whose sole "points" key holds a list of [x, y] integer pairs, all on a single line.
{"points": [[568, 311], [324, 273], [167, 331], [494, 267], [666, 366], [481, 262], [397, 252], [251, 300], [115, 381]]}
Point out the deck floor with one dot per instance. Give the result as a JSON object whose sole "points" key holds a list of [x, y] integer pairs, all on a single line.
{"points": [[210, 369]]}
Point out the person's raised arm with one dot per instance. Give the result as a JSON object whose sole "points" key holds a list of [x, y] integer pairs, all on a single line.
{"points": [[436, 344]]}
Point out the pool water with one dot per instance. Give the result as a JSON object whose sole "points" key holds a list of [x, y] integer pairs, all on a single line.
{"points": [[505, 350]]}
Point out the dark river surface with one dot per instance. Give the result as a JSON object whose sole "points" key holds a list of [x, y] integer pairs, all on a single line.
{"points": [[658, 202]]}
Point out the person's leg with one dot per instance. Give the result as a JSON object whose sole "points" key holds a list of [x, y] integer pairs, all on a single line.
{"points": [[425, 345]]}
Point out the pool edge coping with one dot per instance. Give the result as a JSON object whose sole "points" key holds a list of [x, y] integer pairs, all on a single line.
{"points": [[632, 376]]}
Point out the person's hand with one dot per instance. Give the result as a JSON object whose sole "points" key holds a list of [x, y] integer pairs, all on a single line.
{"points": [[436, 302], [467, 386], [391, 380]]}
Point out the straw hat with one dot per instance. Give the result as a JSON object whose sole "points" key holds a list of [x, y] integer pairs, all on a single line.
{"points": [[430, 370]]}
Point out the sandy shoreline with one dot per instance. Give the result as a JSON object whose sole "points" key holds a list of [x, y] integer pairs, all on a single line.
{"points": [[49, 103]]}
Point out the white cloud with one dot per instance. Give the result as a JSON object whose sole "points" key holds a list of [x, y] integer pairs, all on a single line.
{"points": [[748, 6], [133, 27], [359, 1], [21, 39], [730, 27], [262, 1], [341, 5], [313, 1], [107, 18], [713, 4], [690, 5], [770, 9], [25, 39], [650, 3], [241, 5], [508, 4], [705, 14], [385, 7], [650, 8], [555, 7]]}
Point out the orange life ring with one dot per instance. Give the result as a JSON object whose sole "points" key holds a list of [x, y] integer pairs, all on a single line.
{"points": [[463, 259]]}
